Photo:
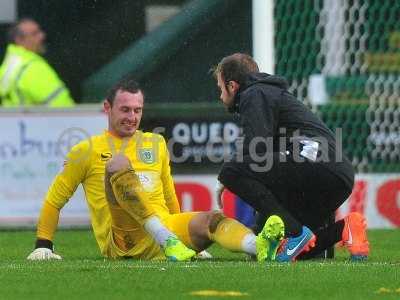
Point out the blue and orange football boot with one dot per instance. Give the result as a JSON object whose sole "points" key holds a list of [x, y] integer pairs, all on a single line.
{"points": [[291, 247]]}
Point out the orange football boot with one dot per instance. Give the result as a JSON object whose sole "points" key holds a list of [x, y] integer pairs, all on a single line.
{"points": [[354, 236]]}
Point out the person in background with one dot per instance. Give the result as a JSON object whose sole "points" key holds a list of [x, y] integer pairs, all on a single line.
{"points": [[26, 79]]}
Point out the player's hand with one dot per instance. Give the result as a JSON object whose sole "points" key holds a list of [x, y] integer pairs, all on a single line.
{"points": [[204, 255], [219, 189], [43, 254], [44, 250]]}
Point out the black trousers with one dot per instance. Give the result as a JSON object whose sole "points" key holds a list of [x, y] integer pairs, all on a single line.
{"points": [[301, 193]]}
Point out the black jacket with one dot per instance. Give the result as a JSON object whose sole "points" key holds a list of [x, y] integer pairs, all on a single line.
{"points": [[267, 110]]}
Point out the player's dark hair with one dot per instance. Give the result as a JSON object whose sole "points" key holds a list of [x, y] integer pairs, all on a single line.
{"points": [[126, 84], [14, 31], [236, 67]]}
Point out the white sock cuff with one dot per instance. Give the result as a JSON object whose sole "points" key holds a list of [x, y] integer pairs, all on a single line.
{"points": [[249, 244], [153, 224], [157, 230]]}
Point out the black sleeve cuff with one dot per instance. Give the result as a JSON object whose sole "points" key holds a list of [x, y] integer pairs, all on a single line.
{"points": [[44, 244]]}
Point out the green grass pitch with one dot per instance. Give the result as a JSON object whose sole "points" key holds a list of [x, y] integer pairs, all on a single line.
{"points": [[83, 274]]}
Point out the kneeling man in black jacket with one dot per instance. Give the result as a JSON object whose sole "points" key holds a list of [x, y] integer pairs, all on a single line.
{"points": [[290, 164]]}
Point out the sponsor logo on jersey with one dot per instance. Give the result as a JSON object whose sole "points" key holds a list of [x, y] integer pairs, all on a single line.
{"points": [[146, 156], [105, 156]]}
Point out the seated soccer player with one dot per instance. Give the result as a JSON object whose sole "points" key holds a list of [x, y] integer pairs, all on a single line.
{"points": [[130, 193]]}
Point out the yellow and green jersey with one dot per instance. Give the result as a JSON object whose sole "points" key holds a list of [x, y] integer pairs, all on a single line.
{"points": [[85, 165]]}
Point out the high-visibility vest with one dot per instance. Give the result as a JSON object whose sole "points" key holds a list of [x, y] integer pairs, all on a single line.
{"points": [[26, 79]]}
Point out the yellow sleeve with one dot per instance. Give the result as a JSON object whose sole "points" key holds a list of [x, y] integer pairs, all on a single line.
{"points": [[62, 188], [48, 222], [167, 180]]}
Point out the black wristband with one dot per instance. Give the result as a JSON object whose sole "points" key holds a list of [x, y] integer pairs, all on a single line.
{"points": [[44, 244]]}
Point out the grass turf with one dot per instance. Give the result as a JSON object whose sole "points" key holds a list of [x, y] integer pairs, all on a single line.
{"points": [[83, 274]]}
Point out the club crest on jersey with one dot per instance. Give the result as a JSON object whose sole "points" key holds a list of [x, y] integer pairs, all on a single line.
{"points": [[105, 156], [146, 156]]}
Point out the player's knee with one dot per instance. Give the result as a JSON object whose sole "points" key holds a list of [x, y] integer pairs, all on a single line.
{"points": [[117, 163], [199, 230], [214, 219]]}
